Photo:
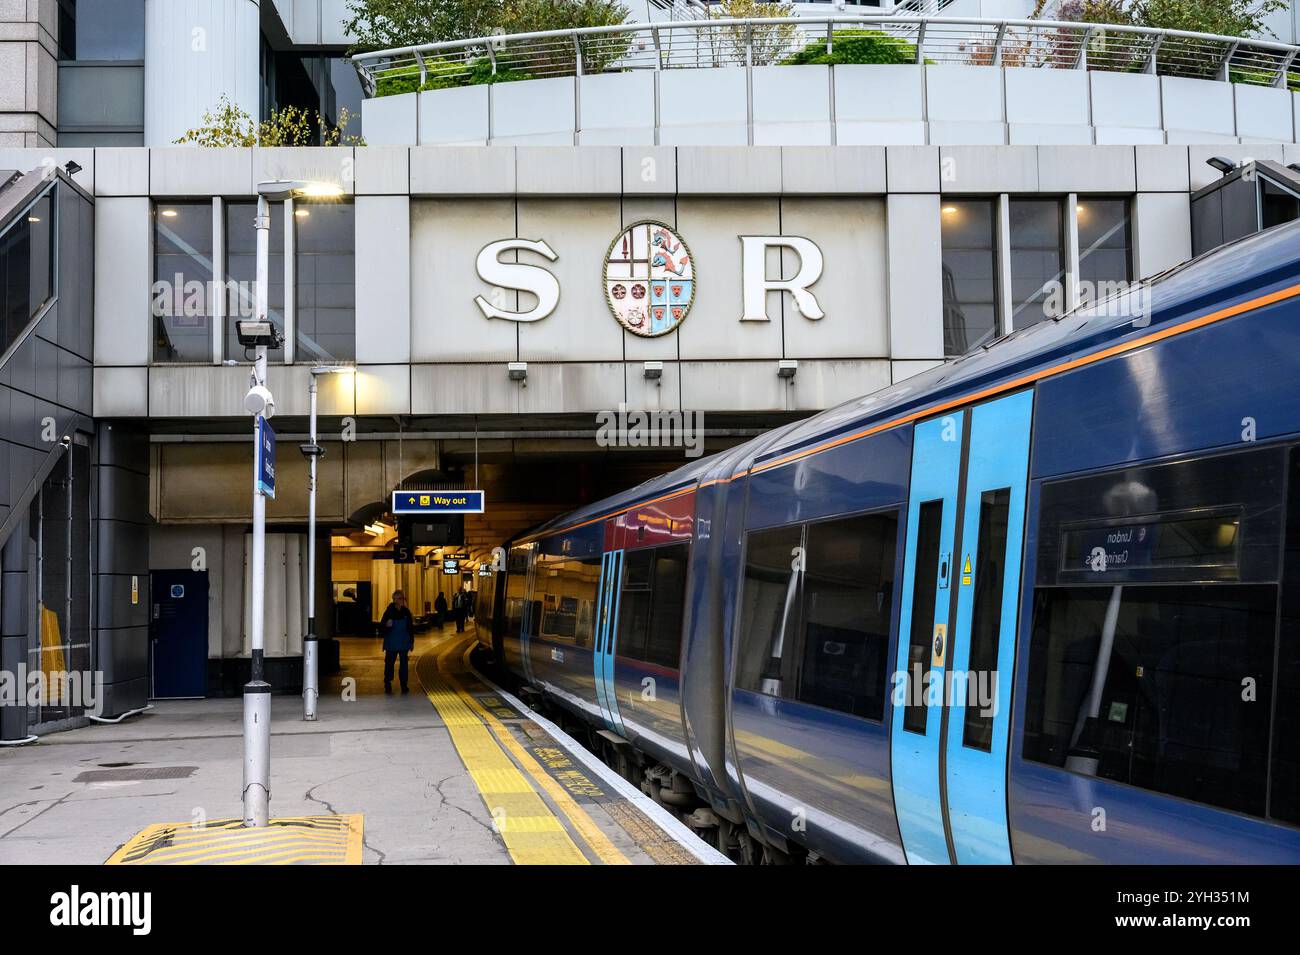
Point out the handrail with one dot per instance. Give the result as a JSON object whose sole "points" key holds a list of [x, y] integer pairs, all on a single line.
{"points": [[758, 41]]}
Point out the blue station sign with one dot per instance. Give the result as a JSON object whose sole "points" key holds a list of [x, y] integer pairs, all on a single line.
{"points": [[438, 502], [265, 458]]}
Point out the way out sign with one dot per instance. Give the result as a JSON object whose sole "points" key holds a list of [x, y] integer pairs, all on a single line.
{"points": [[265, 458], [438, 502]]}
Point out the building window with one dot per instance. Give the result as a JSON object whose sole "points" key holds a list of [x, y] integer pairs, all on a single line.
{"points": [[970, 297], [101, 72], [1105, 247], [241, 273], [1037, 260], [182, 289], [325, 312], [816, 613], [27, 266]]}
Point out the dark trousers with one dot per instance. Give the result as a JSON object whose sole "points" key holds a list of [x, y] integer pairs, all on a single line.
{"points": [[460, 621], [402, 671]]}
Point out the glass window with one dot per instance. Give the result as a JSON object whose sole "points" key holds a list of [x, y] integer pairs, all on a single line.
{"points": [[816, 612], [241, 272], [1105, 247], [668, 595], [27, 266], [182, 305], [986, 615], [1284, 802], [569, 598], [1155, 630], [848, 588], [1276, 205], [925, 591], [325, 313], [1037, 260], [101, 29], [651, 604], [970, 302]]}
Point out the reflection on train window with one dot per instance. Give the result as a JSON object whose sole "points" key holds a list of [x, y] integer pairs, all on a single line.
{"points": [[816, 613], [568, 589], [925, 590], [986, 615], [516, 583], [1145, 685], [1284, 802], [651, 604], [1158, 655]]}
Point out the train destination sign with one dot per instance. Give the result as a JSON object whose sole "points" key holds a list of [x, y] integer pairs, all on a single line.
{"points": [[438, 502]]}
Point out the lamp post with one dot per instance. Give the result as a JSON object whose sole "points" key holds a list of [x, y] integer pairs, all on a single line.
{"points": [[310, 645], [259, 334]]}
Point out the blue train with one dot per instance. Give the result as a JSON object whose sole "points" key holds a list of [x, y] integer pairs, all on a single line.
{"points": [[1038, 605]]}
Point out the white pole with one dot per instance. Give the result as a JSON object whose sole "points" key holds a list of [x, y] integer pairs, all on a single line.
{"points": [[310, 655], [257, 692]]}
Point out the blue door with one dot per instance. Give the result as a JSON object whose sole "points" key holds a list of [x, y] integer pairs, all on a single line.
{"points": [[961, 597], [179, 634], [611, 576]]}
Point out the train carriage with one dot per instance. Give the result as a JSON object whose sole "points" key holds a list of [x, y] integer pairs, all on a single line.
{"points": [[1039, 604]]}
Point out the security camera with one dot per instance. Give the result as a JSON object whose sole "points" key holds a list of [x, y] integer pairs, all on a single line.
{"points": [[259, 401]]}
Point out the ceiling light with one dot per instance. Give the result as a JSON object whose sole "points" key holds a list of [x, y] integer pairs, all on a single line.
{"points": [[170, 213]]}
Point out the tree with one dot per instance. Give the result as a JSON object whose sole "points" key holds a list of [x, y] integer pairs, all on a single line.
{"points": [[229, 125], [383, 24], [1242, 18], [768, 43]]}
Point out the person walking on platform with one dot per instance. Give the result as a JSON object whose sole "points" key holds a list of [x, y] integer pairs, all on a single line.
{"points": [[439, 610], [398, 628], [460, 609]]}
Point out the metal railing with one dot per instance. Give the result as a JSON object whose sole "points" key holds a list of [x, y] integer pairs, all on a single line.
{"points": [[1043, 44]]}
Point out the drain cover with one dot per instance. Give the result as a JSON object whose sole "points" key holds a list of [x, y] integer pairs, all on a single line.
{"points": [[133, 775]]}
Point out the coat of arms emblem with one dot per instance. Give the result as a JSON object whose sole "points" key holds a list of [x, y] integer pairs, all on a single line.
{"points": [[649, 279]]}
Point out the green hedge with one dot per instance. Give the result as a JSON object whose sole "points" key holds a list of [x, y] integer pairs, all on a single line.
{"points": [[443, 75], [856, 46]]}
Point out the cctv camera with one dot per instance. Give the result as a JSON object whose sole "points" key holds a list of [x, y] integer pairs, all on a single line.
{"points": [[259, 401]]}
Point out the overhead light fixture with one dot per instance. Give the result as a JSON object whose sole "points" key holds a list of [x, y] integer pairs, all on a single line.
{"points": [[1221, 163], [333, 369], [72, 167], [949, 210], [654, 370], [375, 530], [517, 370], [302, 213], [170, 213], [33, 218], [786, 368], [279, 190], [252, 333]]}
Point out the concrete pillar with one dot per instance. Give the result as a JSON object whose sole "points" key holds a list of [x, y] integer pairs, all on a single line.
{"points": [[28, 73], [193, 53]]}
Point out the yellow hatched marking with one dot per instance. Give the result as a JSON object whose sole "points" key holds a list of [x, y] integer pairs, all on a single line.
{"points": [[527, 839], [297, 840], [605, 850]]}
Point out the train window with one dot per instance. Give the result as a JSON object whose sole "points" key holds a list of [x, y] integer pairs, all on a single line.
{"points": [[668, 595], [651, 604], [1284, 802], [569, 598], [986, 615], [768, 609], [924, 592], [815, 613], [1155, 631], [848, 588]]}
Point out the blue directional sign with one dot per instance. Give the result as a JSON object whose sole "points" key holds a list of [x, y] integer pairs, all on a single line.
{"points": [[265, 458], [438, 502]]}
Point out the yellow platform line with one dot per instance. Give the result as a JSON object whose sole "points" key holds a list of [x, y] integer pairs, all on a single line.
{"points": [[530, 830], [322, 840]]}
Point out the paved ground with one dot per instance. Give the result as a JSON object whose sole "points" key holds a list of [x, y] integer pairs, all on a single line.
{"points": [[391, 758]]}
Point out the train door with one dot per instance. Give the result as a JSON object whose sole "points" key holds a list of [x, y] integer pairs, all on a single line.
{"points": [[950, 727], [528, 616], [611, 576]]}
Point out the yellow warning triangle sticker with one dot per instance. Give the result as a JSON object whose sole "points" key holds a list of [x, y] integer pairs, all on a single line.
{"points": [[966, 569]]}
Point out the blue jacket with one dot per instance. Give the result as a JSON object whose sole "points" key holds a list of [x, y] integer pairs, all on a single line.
{"points": [[401, 634]]}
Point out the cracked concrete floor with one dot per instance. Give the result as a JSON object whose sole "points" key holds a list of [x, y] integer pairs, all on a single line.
{"points": [[389, 757]]}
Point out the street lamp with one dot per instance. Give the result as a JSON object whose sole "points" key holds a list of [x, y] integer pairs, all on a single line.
{"points": [[260, 335], [310, 645]]}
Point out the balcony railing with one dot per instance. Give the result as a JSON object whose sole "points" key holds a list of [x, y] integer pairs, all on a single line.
{"points": [[1042, 44]]}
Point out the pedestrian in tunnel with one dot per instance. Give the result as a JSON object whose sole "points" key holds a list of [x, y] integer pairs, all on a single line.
{"points": [[398, 627], [439, 609], [460, 609]]}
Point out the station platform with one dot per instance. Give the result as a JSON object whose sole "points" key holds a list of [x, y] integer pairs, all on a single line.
{"points": [[455, 772]]}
